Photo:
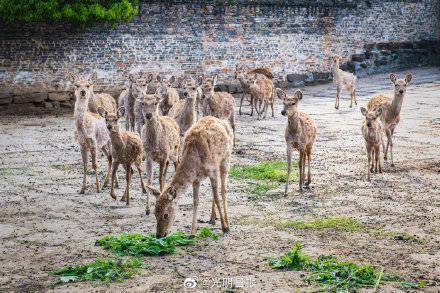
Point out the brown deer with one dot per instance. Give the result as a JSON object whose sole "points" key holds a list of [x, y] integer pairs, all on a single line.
{"points": [[217, 104], [169, 96], [300, 134], [160, 137], [263, 94], [126, 150], [103, 100], [390, 109], [372, 130], [90, 130], [206, 153], [343, 79], [245, 82]]}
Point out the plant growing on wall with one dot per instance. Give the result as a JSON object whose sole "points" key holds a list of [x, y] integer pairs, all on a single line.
{"points": [[84, 12]]}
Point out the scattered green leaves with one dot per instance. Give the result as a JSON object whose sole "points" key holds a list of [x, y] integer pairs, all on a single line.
{"points": [[334, 275], [273, 171], [205, 232], [413, 285], [106, 270]]}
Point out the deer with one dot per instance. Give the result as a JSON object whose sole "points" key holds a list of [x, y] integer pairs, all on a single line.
{"points": [[372, 130], [103, 100], [343, 79], [184, 110], [263, 93], [90, 130], [168, 94], [126, 150], [207, 149], [218, 104], [245, 83], [160, 137], [300, 134], [391, 108]]}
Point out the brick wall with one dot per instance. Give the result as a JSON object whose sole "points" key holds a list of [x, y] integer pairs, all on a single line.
{"points": [[293, 37]]}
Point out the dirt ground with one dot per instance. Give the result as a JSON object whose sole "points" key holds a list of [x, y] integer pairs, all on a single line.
{"points": [[45, 224]]}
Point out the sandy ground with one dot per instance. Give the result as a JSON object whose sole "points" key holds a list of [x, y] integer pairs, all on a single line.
{"points": [[45, 224]]}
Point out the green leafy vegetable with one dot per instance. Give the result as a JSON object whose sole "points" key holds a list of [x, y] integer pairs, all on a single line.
{"points": [[101, 269]]}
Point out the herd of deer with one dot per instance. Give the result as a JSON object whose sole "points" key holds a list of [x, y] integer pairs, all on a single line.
{"points": [[163, 125]]}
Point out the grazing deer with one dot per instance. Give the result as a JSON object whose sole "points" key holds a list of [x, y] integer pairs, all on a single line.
{"points": [[206, 153], [169, 96], [372, 130], [126, 150], [390, 109], [217, 104], [300, 134], [90, 130], [161, 139], [184, 111], [343, 79], [263, 94]]}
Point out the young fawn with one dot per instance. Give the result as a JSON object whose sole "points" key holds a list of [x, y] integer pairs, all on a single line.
{"points": [[126, 150], [206, 153], [90, 130], [160, 137], [217, 104], [390, 109], [300, 134], [342, 79], [372, 130]]}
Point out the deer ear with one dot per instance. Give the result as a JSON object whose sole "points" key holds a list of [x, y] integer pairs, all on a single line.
{"points": [[364, 111], [281, 94], [393, 78], [159, 78], [298, 94], [171, 193], [153, 190], [378, 112], [102, 112], [121, 111], [408, 77]]}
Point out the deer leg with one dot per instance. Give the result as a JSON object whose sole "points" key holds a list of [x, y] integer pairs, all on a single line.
{"points": [[138, 164], [149, 171], [256, 108], [95, 167], [252, 105], [115, 166], [377, 159], [391, 150], [109, 166], [372, 160], [196, 187], [232, 121], [241, 103], [354, 96], [300, 165], [266, 105], [223, 181], [289, 168], [162, 170], [214, 185], [84, 160], [128, 175], [309, 158], [351, 97], [273, 113], [304, 167], [338, 92], [388, 133]]}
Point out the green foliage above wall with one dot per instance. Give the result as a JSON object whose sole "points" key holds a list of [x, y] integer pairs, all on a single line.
{"points": [[84, 12]]}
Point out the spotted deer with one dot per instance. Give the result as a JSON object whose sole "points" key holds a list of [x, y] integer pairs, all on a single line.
{"points": [[372, 130], [300, 134], [343, 79], [126, 150], [217, 104], [245, 82], [391, 107], [160, 138], [90, 130], [263, 94], [207, 150], [103, 100]]}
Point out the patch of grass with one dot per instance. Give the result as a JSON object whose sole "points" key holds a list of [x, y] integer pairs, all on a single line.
{"points": [[397, 236], [106, 270], [63, 167], [142, 245], [340, 223], [413, 285], [272, 171], [261, 189], [333, 274]]}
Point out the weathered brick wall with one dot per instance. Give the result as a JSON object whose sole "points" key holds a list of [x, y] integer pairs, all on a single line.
{"points": [[295, 39]]}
